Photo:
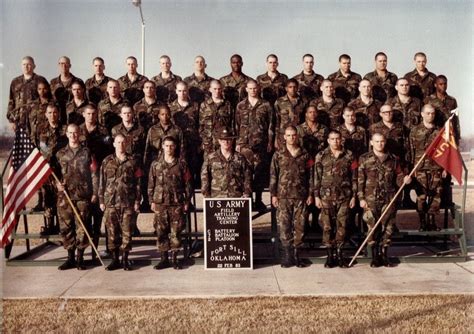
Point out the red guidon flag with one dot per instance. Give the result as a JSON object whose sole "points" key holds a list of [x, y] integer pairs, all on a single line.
{"points": [[28, 171], [444, 151]]}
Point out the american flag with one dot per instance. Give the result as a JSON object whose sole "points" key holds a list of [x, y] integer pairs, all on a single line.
{"points": [[28, 171]]}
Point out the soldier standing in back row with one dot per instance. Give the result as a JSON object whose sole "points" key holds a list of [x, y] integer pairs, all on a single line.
{"points": [[131, 84], [335, 190], [272, 83], [199, 82], [291, 193], [309, 81], [165, 81], [345, 81], [119, 198], [234, 84], [96, 86], [169, 193]]}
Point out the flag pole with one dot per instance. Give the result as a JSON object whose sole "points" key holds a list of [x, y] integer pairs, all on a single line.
{"points": [[80, 220]]}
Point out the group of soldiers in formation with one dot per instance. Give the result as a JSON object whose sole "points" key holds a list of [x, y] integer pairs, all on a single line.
{"points": [[336, 148]]}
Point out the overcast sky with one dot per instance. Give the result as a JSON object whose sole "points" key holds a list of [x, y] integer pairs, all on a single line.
{"points": [[83, 29]]}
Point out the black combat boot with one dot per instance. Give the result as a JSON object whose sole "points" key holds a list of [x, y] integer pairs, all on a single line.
{"points": [[95, 241], [385, 258], [340, 257], [125, 263], [298, 261], [423, 226], [49, 228], [286, 261], [164, 262], [70, 262], [375, 263], [115, 264], [259, 205], [80, 260], [174, 260], [330, 261], [432, 222]]}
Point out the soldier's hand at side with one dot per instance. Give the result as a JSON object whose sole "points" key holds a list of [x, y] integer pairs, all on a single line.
{"points": [[60, 186], [352, 203], [13, 126], [94, 199], [407, 179], [153, 207], [363, 204], [237, 148], [444, 174], [318, 202], [186, 207], [269, 147], [102, 207], [136, 207], [275, 201], [309, 200]]}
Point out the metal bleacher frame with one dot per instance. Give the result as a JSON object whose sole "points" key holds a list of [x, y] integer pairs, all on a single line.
{"points": [[192, 239]]}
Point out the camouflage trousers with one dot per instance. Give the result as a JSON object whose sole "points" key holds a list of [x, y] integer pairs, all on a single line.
{"points": [[291, 216], [169, 223], [257, 159], [429, 191], [334, 216], [119, 224], [384, 230], [72, 233]]}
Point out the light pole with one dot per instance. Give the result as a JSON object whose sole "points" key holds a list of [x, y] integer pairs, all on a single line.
{"points": [[138, 3]]}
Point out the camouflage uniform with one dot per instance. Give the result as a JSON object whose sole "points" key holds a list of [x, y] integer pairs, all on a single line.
{"points": [[198, 88], [274, 88], [74, 112], [383, 88], [329, 114], [396, 141], [97, 90], [421, 86], [169, 187], [366, 114], [443, 109], [212, 117], [187, 119], [62, 92], [79, 174], [166, 88], [428, 173], [155, 138], [36, 116], [254, 134], [409, 114], [119, 191], [134, 138], [355, 141], [234, 88], [346, 88], [226, 178], [309, 85], [147, 114], [287, 113], [335, 184], [313, 141], [132, 91], [291, 182], [377, 184], [109, 114], [21, 93]]}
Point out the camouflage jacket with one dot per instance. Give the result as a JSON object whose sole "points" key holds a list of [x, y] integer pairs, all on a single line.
{"points": [[329, 114], [74, 112], [226, 178], [109, 114], [313, 141], [409, 114], [132, 91], [147, 114], [287, 113], [355, 141], [198, 88], [98, 141], [212, 117], [335, 178], [135, 139], [346, 88], [154, 140], [382, 87], [62, 91], [187, 119], [291, 177], [396, 141], [97, 90], [274, 88], [37, 116], [79, 172], [378, 180], [22, 92], [119, 182], [234, 88], [169, 183], [166, 88], [50, 140], [253, 124], [366, 114], [309, 85], [420, 138], [421, 86], [443, 109]]}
